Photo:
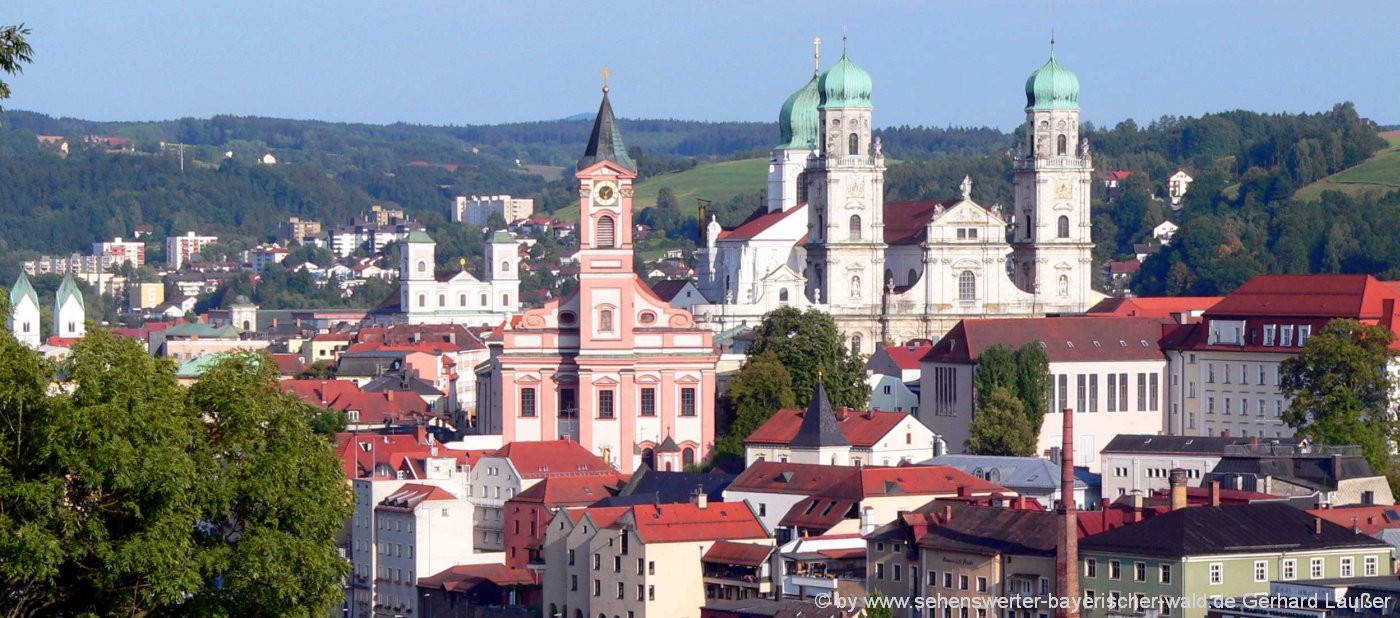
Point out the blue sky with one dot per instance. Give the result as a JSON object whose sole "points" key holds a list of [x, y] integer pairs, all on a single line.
{"points": [[478, 62]]}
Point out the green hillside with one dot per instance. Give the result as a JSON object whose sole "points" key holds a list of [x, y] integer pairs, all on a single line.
{"points": [[718, 182], [1374, 177]]}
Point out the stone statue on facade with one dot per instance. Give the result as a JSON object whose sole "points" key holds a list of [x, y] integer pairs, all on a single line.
{"points": [[966, 187]]}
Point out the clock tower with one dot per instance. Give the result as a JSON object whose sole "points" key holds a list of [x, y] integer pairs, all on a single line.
{"points": [[1052, 248], [605, 175]]}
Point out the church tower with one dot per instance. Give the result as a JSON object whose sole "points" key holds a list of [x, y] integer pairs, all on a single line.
{"points": [[24, 312], [799, 126], [69, 311], [605, 175], [1052, 256], [503, 269], [417, 268], [845, 189]]}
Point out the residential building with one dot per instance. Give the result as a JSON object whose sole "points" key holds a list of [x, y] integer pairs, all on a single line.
{"points": [[680, 293], [259, 258], [1224, 369], [1031, 477], [823, 565], [1334, 475], [1142, 463], [298, 230], [145, 295], [649, 560], [1336, 597], [1109, 369], [890, 393], [187, 341], [516, 467], [1180, 309], [899, 361], [179, 249], [772, 608], [477, 209], [117, 251], [894, 271], [463, 590], [1164, 232], [1221, 551], [840, 437], [611, 366], [528, 513], [977, 553], [1177, 184]]}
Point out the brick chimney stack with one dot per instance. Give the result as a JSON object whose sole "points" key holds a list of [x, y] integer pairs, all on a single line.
{"points": [[1178, 482], [1067, 554]]}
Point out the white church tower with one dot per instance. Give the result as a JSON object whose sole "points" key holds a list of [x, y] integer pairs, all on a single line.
{"points": [[503, 270], [69, 312], [800, 135], [24, 312], [845, 187], [1051, 238]]}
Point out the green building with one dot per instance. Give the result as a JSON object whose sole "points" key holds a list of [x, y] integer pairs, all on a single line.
{"points": [[1186, 556]]}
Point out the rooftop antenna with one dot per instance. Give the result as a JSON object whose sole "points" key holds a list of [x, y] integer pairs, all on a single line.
{"points": [[817, 55], [606, 73]]}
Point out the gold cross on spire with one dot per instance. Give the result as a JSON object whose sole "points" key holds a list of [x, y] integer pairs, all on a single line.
{"points": [[606, 73], [817, 54]]}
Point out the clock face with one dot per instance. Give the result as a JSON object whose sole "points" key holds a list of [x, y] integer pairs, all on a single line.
{"points": [[606, 193]]}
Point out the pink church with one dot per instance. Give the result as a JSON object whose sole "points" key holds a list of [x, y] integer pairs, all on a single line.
{"points": [[612, 366]]}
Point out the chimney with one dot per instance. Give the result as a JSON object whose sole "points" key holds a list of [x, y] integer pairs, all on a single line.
{"points": [[1103, 513], [964, 491], [1178, 483], [699, 498], [1067, 554], [1254, 444], [420, 432], [1214, 493], [1317, 525], [1135, 498], [842, 412], [867, 520], [947, 513]]}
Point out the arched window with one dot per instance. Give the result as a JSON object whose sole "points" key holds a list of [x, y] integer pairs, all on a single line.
{"points": [[605, 323], [855, 344], [802, 187], [605, 232], [687, 457], [422, 300], [442, 300], [853, 144], [913, 276], [649, 458], [1062, 145], [783, 295], [505, 300], [505, 266], [855, 227], [855, 287], [422, 266], [462, 300], [1064, 226], [967, 286]]}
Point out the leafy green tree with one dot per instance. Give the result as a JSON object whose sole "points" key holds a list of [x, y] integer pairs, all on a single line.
{"points": [[1340, 389], [877, 606], [128, 495], [1000, 427], [1033, 382], [996, 368], [15, 52], [811, 347], [760, 388]]}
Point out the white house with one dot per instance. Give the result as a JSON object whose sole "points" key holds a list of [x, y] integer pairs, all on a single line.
{"points": [[1177, 184], [1110, 370], [891, 393], [1164, 232], [825, 435]]}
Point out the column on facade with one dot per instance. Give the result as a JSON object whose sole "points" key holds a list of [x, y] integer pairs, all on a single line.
{"points": [[547, 405], [587, 408], [627, 409]]}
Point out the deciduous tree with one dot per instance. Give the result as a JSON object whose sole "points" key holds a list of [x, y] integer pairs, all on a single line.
{"points": [[810, 346], [1000, 427], [763, 386]]}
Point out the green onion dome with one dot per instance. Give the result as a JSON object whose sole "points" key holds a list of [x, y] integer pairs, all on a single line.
{"points": [[798, 120], [1052, 87], [845, 84]]}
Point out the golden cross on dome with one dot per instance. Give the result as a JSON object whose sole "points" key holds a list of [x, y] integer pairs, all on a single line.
{"points": [[606, 73]]}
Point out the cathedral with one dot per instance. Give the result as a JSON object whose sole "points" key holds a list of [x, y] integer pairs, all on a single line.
{"points": [[894, 271]]}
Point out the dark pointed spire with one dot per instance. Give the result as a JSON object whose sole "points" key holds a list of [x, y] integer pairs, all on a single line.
{"points": [[605, 143], [819, 426]]}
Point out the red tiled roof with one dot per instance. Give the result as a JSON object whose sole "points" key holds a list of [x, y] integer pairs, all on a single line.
{"points": [[1371, 519], [288, 364], [1327, 296], [790, 478], [760, 221], [1124, 267], [882, 481], [567, 491], [464, 577], [906, 223], [552, 458], [373, 408], [908, 357], [1154, 306], [672, 523], [1066, 339], [333, 337], [742, 554], [411, 495], [862, 429], [603, 517]]}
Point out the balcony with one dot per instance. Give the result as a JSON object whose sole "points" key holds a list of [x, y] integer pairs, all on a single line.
{"points": [[851, 161], [1049, 163]]}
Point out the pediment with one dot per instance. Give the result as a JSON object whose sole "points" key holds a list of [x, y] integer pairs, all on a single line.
{"points": [[783, 274], [968, 212]]}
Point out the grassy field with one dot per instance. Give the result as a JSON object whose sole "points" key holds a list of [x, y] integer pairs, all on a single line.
{"points": [[1378, 175], [718, 182]]}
